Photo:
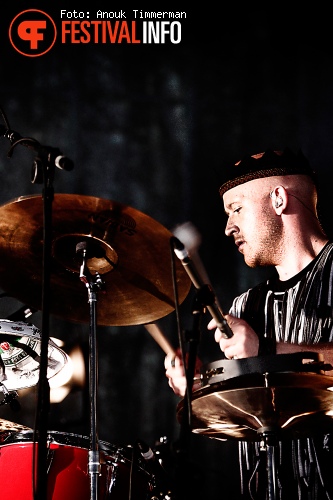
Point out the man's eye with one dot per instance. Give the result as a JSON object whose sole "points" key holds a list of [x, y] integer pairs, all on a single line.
{"points": [[237, 210]]}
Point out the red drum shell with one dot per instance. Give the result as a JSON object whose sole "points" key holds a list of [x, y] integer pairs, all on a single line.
{"points": [[67, 479]]}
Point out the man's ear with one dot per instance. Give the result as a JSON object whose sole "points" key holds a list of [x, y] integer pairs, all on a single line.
{"points": [[278, 202], [279, 198]]}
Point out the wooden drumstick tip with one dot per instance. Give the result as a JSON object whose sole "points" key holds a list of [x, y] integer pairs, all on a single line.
{"points": [[154, 330]]}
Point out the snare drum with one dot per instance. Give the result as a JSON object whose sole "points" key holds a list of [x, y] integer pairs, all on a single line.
{"points": [[122, 476]]}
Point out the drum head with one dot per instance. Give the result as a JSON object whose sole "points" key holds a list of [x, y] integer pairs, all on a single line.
{"points": [[20, 348]]}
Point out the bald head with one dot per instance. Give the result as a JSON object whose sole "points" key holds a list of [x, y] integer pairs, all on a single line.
{"points": [[267, 215], [301, 187]]}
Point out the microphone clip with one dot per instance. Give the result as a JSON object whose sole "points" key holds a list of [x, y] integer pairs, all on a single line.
{"points": [[205, 296], [9, 398]]}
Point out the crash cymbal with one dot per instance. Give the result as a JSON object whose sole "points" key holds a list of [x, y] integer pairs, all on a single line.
{"points": [[8, 430], [130, 250], [20, 347], [7, 425], [244, 407]]}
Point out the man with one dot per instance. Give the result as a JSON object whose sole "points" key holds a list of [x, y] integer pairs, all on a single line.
{"points": [[271, 203]]}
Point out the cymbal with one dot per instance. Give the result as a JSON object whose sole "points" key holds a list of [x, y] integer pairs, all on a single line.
{"points": [[20, 347], [243, 408], [128, 249], [6, 426]]}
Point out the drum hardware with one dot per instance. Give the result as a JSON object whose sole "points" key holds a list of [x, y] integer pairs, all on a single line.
{"points": [[204, 299], [8, 429], [244, 400], [268, 443], [49, 459], [94, 284], [9, 398], [222, 370]]}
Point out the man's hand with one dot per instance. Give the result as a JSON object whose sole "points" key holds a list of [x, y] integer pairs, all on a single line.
{"points": [[244, 342], [174, 371]]}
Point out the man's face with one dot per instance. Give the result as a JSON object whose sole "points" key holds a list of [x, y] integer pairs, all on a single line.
{"points": [[253, 223]]}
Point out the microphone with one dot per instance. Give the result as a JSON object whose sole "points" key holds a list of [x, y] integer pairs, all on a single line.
{"points": [[14, 136], [146, 452], [200, 283], [8, 133], [64, 163], [154, 464]]}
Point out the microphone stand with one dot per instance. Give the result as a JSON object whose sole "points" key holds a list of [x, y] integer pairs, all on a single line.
{"points": [[47, 159], [44, 166]]}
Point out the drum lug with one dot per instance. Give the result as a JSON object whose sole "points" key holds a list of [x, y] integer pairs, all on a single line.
{"points": [[49, 458], [112, 476]]}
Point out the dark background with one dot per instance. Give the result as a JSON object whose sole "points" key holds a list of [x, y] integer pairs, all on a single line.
{"points": [[153, 127]]}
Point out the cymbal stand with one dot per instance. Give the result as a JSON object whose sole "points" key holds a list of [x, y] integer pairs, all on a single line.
{"points": [[268, 444], [203, 298], [182, 446], [93, 285]]}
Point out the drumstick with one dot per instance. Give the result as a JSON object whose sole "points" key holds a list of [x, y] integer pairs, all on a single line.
{"points": [[160, 338]]}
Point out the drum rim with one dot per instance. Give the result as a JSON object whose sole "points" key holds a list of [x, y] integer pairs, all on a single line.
{"points": [[229, 369], [112, 453]]}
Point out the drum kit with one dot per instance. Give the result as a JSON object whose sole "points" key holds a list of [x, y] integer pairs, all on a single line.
{"points": [[128, 254], [120, 260]]}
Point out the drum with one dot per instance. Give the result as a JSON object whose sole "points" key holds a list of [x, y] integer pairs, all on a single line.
{"points": [[20, 348], [122, 476]]}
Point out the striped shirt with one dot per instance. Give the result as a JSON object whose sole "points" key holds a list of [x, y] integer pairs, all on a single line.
{"points": [[299, 310]]}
